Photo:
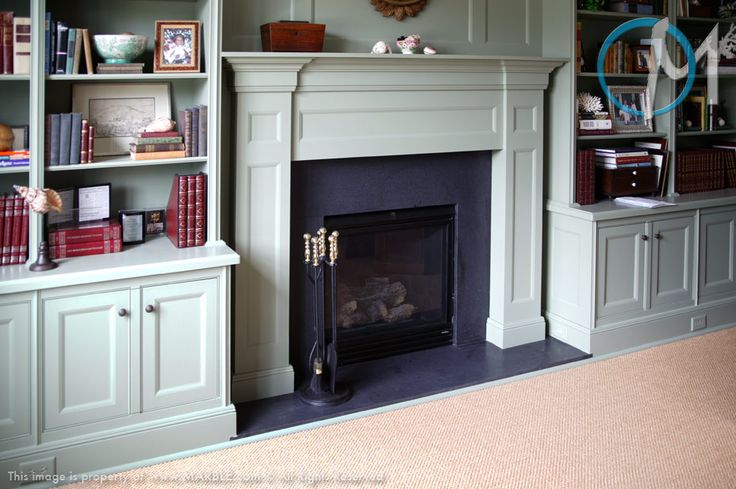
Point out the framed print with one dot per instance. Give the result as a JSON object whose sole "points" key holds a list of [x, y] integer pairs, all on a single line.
{"points": [[177, 46], [133, 228], [118, 111], [93, 202], [635, 97], [642, 58], [693, 113]]}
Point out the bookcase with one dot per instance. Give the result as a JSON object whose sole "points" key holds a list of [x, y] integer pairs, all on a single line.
{"points": [[151, 321], [620, 276]]}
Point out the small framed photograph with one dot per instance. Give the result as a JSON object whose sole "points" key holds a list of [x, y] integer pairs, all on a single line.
{"points": [[177, 46], [133, 226], [642, 58], [93, 202], [635, 116], [155, 221]]}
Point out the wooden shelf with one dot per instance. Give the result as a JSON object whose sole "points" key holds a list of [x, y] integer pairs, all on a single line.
{"points": [[628, 135], [706, 133], [606, 15], [124, 161], [129, 77], [6, 170]]}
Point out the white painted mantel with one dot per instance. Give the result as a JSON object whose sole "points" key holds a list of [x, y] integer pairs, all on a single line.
{"points": [[289, 108]]}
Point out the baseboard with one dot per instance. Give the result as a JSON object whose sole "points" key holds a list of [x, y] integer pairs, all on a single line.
{"points": [[515, 334], [263, 384], [568, 332]]}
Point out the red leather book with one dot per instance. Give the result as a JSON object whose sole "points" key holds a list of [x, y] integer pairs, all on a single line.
{"points": [[191, 196], [2, 225], [8, 232], [176, 212], [17, 225], [102, 247], [84, 142], [200, 209], [84, 233], [6, 21], [91, 145], [24, 232]]}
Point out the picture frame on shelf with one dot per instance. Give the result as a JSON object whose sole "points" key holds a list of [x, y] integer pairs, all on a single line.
{"points": [[93, 202], [118, 111], [693, 113], [642, 58], [132, 223], [637, 98], [177, 46]]}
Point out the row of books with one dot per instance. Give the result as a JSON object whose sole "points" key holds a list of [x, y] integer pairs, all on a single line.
{"points": [[70, 140], [620, 58], [95, 238], [15, 158], [15, 40], [192, 124], [706, 169], [186, 211], [64, 48], [14, 215]]}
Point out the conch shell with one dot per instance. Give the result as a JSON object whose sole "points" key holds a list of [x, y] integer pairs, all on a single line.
{"points": [[40, 200], [381, 48], [162, 124]]}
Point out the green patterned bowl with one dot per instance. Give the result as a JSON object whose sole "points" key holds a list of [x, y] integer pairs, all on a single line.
{"points": [[120, 48]]}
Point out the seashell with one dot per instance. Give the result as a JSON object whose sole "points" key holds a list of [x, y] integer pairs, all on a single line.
{"points": [[430, 50], [381, 48], [162, 124], [40, 200]]}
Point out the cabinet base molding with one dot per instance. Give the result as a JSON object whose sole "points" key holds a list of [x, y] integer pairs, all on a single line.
{"points": [[262, 384], [515, 334], [199, 430], [649, 330]]}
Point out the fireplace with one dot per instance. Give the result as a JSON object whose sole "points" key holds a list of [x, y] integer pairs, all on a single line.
{"points": [[413, 266], [395, 285]]}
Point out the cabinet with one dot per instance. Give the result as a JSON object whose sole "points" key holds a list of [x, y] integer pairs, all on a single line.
{"points": [[717, 277], [16, 369]]}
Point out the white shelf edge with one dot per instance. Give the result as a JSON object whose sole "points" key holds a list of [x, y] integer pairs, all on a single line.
{"points": [[628, 135], [9, 170], [705, 133], [129, 76], [15, 77], [125, 162], [609, 15]]}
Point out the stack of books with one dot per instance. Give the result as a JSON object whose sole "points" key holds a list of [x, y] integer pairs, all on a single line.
{"points": [[186, 212], [15, 44], [15, 158], [93, 238], [192, 126], [157, 146], [14, 215], [622, 157], [64, 48], [69, 140], [119, 68], [585, 177], [594, 124], [657, 149]]}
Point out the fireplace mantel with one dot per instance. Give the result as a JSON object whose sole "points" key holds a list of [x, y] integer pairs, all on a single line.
{"points": [[289, 108]]}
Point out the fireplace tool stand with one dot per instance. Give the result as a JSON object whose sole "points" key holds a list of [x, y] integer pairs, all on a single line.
{"points": [[323, 389]]}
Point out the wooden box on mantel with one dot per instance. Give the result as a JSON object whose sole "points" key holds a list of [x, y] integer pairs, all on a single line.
{"points": [[291, 36]]}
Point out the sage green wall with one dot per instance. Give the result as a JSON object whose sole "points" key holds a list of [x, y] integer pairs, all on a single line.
{"points": [[494, 27]]}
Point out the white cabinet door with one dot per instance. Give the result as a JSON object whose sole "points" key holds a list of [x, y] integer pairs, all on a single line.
{"points": [[620, 270], [86, 358], [15, 373], [672, 262], [717, 277], [180, 338]]}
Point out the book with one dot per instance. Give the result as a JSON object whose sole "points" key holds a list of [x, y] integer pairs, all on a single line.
{"points": [[2, 225], [6, 42], [195, 131], [71, 46], [157, 155], [84, 142], [62, 38], [202, 135], [87, 51], [621, 151], [166, 134], [8, 231], [176, 212], [75, 145], [17, 226], [187, 132], [200, 209], [64, 234], [65, 138], [119, 68], [47, 45], [52, 46], [24, 232], [55, 143], [102, 247], [623, 160], [151, 148], [191, 208], [22, 45], [162, 140], [77, 58], [91, 145]]}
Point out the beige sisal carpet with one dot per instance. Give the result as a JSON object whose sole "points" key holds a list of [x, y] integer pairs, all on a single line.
{"points": [[659, 418]]}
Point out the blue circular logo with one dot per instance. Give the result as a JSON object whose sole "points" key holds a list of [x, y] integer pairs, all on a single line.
{"points": [[647, 22]]}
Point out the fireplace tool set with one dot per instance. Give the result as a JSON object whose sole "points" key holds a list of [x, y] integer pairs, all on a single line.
{"points": [[323, 389]]}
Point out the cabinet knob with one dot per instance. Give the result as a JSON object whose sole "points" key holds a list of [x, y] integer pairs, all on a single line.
{"points": [[644, 237], [633, 184], [122, 312], [658, 236], [635, 173], [149, 308]]}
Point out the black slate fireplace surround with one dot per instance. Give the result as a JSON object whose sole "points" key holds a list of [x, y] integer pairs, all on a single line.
{"points": [[324, 192]]}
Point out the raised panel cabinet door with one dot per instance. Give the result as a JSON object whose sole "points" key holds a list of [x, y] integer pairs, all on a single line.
{"points": [[620, 269], [672, 262], [15, 373], [717, 277], [180, 344], [86, 358]]}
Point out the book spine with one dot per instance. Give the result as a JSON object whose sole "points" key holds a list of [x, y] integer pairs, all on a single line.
{"points": [[47, 44], [77, 51], [195, 131], [47, 140], [181, 212], [22, 45], [6, 19], [166, 134], [17, 225], [2, 50], [153, 148], [52, 47], [191, 206], [163, 140], [65, 139], [84, 235], [86, 249], [91, 145], [62, 38], [8, 233], [188, 133], [202, 130], [75, 145], [87, 51], [24, 232], [84, 141], [55, 147], [71, 45], [200, 209], [2, 225], [156, 155]]}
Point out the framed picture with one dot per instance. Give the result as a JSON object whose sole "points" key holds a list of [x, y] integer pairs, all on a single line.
{"points": [[177, 46], [119, 111], [693, 113], [642, 58], [93, 202], [133, 227], [636, 98]]}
